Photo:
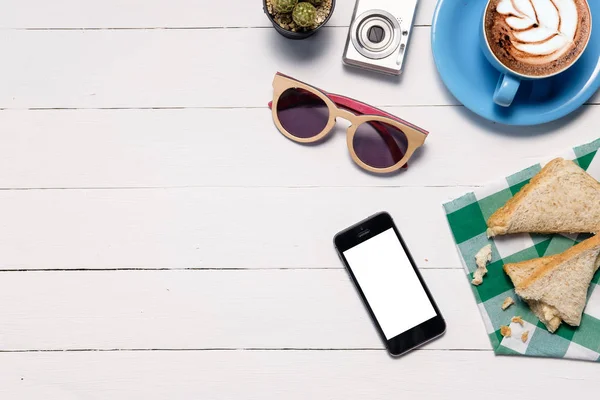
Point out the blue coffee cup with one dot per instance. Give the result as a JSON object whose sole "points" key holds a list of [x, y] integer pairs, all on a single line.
{"points": [[509, 80]]}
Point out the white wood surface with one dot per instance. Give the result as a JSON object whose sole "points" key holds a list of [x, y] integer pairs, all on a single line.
{"points": [[294, 375], [246, 227], [159, 239], [195, 148], [299, 309], [189, 68], [200, 14]]}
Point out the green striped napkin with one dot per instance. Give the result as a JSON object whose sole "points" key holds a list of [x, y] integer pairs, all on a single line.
{"points": [[467, 218]]}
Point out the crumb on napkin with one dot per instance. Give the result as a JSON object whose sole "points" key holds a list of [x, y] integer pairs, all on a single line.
{"points": [[482, 258], [507, 303]]}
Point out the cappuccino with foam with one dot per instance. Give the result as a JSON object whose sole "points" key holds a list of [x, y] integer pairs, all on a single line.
{"points": [[537, 38]]}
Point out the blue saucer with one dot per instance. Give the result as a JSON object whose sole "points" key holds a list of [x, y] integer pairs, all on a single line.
{"points": [[472, 80]]}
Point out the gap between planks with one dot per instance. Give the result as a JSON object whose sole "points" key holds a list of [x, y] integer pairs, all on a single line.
{"points": [[254, 349], [222, 107], [306, 187], [195, 269], [169, 28]]}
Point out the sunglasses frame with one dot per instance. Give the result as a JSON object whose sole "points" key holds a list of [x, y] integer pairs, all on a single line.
{"points": [[356, 113]]}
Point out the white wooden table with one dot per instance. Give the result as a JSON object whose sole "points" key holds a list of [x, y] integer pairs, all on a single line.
{"points": [[159, 239]]}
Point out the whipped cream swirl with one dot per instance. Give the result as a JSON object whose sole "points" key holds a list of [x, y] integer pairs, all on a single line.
{"points": [[543, 30]]}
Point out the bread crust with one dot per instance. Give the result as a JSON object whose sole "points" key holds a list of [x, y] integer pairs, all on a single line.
{"points": [[559, 259], [536, 262], [499, 222], [528, 273], [539, 309]]}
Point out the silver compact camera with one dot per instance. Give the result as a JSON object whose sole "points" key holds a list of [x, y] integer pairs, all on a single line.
{"points": [[379, 34]]}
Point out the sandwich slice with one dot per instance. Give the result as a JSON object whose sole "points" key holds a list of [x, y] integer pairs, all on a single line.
{"points": [[556, 287], [562, 197], [519, 273]]}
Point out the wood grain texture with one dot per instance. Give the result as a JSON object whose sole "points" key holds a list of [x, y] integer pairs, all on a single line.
{"points": [[210, 227], [74, 14], [188, 68], [294, 375], [242, 147], [299, 309]]}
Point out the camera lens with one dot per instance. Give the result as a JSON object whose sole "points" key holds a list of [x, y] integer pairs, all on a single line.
{"points": [[376, 34]]}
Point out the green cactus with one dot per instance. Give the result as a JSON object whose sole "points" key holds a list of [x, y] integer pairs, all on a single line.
{"points": [[316, 2], [285, 6], [305, 15]]}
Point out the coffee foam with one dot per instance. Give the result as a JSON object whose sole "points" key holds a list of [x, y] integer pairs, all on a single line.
{"points": [[538, 32], [541, 27]]}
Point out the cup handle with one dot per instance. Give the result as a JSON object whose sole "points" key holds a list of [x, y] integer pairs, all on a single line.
{"points": [[506, 90]]}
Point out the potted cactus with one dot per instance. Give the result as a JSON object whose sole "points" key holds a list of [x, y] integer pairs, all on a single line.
{"points": [[298, 19]]}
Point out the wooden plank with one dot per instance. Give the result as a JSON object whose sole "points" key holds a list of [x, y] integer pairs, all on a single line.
{"points": [[210, 147], [157, 14], [291, 375], [189, 68], [299, 309], [210, 227]]}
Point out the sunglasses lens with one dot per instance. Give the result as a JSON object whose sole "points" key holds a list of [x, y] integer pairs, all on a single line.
{"points": [[379, 145], [302, 113]]}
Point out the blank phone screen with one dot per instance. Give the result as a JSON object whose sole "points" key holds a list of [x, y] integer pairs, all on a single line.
{"points": [[389, 283]]}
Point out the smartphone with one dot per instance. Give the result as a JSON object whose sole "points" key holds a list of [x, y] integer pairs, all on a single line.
{"points": [[389, 283]]}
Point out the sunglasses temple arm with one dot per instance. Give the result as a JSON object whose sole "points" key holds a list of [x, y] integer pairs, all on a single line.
{"points": [[361, 108], [284, 104]]}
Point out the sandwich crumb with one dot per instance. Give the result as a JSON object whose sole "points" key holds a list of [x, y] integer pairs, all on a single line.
{"points": [[505, 331], [482, 258], [507, 303], [525, 336], [518, 320]]}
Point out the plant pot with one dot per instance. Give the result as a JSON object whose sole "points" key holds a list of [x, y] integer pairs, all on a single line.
{"points": [[296, 35]]}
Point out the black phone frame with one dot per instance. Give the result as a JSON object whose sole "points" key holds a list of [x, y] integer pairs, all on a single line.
{"points": [[363, 231]]}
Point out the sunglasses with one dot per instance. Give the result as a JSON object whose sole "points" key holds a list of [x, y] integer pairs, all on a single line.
{"points": [[378, 142]]}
